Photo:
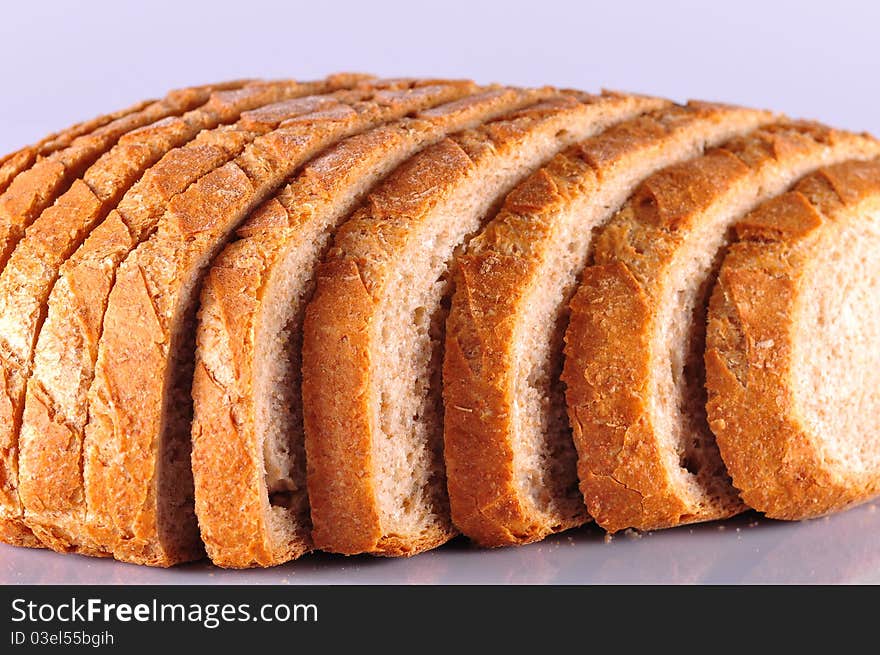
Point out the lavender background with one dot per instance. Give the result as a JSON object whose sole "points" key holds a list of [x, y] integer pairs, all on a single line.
{"points": [[63, 62]]}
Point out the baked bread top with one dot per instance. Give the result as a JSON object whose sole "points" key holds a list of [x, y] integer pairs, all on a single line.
{"points": [[792, 364]]}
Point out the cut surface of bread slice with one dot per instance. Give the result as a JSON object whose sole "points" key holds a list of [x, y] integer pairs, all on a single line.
{"points": [[373, 332], [510, 460], [21, 160], [636, 337], [38, 187], [792, 362], [138, 475], [248, 451], [55, 406]]}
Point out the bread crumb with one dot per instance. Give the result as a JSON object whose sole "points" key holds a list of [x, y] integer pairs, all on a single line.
{"points": [[608, 537], [632, 534], [722, 528], [872, 509]]}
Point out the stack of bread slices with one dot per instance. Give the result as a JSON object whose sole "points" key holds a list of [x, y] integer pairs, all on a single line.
{"points": [[363, 315]]}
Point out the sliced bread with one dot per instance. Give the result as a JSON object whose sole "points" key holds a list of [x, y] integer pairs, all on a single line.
{"points": [[372, 345], [636, 337], [37, 187], [50, 466], [792, 363], [138, 475], [248, 451], [21, 160], [28, 195], [510, 461]]}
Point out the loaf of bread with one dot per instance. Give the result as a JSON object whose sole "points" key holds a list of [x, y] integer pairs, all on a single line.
{"points": [[361, 315]]}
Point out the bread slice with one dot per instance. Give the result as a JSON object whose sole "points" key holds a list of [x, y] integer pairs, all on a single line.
{"points": [[137, 450], [510, 461], [55, 406], [636, 337], [373, 330], [792, 363], [37, 188], [21, 160], [248, 450]]}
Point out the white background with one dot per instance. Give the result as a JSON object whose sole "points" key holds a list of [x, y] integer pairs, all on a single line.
{"points": [[65, 61]]}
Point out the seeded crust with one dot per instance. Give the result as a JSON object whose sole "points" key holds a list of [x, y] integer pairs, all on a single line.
{"points": [[247, 323], [37, 188], [26, 197], [137, 451], [781, 463], [634, 345], [21, 160], [55, 411], [411, 220], [511, 464]]}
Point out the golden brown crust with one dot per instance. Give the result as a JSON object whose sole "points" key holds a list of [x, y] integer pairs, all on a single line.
{"points": [[225, 442], [21, 160], [768, 449], [52, 425], [36, 188], [28, 195], [491, 304], [136, 414], [609, 342], [338, 334]]}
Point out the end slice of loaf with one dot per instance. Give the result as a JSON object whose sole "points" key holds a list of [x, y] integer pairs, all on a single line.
{"points": [[636, 337], [510, 460], [55, 405], [373, 333], [138, 475], [248, 449], [21, 160], [792, 362]]}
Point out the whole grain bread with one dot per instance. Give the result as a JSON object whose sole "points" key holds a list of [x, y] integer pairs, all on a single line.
{"points": [[50, 440], [792, 364], [39, 186], [139, 489], [21, 160], [510, 461], [248, 448], [636, 337], [373, 330]]}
